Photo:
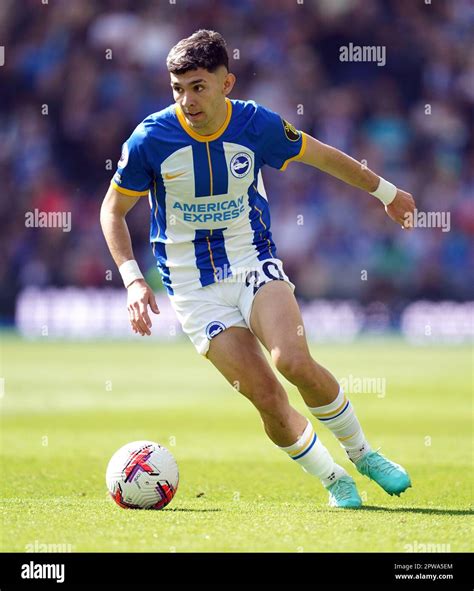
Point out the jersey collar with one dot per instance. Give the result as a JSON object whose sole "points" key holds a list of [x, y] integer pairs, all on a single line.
{"points": [[204, 138]]}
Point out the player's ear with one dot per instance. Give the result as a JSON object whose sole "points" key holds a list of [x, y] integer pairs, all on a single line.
{"points": [[229, 82]]}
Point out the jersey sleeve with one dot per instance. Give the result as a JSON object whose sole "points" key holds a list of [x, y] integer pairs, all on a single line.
{"points": [[133, 176], [282, 143]]}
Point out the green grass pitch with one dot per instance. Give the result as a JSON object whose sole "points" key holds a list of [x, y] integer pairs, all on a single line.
{"points": [[68, 406]]}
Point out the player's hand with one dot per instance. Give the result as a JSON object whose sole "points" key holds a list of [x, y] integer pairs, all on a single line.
{"points": [[401, 210], [140, 296]]}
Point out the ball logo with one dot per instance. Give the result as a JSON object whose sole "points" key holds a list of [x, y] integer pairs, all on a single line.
{"points": [[122, 163], [214, 328], [240, 164]]}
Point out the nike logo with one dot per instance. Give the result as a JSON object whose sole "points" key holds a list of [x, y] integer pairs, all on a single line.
{"points": [[169, 176]]}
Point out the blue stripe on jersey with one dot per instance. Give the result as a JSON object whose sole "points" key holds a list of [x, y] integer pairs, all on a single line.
{"points": [[211, 256], [202, 173], [203, 258], [159, 250], [220, 182], [219, 253], [158, 230], [260, 223]]}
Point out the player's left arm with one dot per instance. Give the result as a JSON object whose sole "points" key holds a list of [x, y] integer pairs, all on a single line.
{"points": [[352, 172]]}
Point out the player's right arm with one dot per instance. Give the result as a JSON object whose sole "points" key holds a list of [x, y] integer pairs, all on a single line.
{"points": [[115, 207]]}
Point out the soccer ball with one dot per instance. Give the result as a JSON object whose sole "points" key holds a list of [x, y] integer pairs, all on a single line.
{"points": [[142, 475]]}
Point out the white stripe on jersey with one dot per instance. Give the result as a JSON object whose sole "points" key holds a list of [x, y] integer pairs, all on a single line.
{"points": [[261, 186]]}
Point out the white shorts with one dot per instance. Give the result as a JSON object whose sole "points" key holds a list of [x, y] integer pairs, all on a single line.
{"points": [[205, 312]]}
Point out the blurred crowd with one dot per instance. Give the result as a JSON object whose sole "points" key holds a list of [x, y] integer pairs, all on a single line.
{"points": [[79, 75]]}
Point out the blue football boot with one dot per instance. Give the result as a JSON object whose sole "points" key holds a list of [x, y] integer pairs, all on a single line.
{"points": [[392, 477], [343, 493]]}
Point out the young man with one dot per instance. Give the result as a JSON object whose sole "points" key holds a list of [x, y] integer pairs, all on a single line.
{"points": [[199, 162]]}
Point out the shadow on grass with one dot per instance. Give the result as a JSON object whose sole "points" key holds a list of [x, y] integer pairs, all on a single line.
{"points": [[422, 510], [193, 510]]}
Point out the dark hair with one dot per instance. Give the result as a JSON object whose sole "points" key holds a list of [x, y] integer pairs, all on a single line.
{"points": [[203, 49]]}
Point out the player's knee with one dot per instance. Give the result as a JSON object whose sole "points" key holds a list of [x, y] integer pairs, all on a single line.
{"points": [[296, 366], [269, 398]]}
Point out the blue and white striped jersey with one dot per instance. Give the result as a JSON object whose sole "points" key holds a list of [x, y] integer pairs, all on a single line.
{"points": [[209, 210]]}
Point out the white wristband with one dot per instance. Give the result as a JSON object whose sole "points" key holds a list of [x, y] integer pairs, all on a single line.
{"points": [[130, 271], [386, 192]]}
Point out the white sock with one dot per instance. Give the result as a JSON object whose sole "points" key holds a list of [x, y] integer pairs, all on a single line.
{"points": [[340, 418], [313, 457]]}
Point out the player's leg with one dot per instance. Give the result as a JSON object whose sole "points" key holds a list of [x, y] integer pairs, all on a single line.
{"points": [[276, 320], [236, 353]]}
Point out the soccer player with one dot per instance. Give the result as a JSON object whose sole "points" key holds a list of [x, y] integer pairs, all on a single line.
{"points": [[199, 162]]}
